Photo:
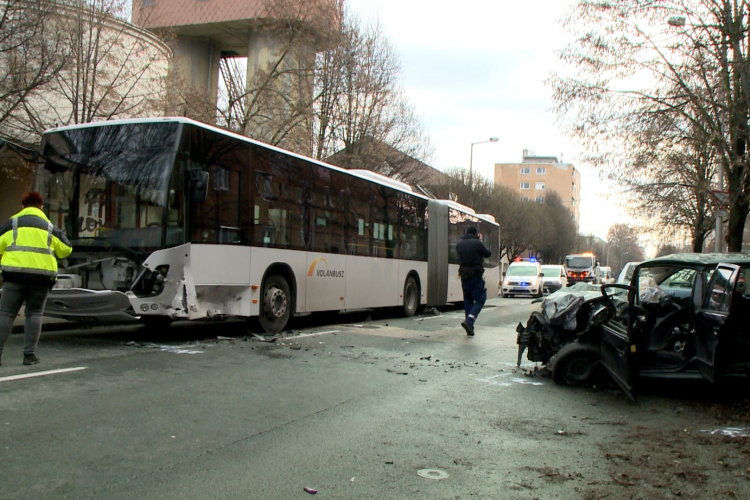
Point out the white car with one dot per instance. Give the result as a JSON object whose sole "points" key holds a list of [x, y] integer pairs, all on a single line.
{"points": [[522, 277], [554, 278]]}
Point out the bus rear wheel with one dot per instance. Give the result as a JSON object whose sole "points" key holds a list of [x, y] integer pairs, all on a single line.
{"points": [[411, 297], [276, 307]]}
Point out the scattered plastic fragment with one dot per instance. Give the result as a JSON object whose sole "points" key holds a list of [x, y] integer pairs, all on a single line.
{"points": [[733, 432], [432, 474], [396, 372], [310, 490], [426, 358]]}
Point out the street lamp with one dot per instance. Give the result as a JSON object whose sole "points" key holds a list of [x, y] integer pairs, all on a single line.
{"points": [[471, 157]]}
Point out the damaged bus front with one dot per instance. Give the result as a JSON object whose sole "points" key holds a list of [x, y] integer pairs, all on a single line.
{"points": [[118, 193]]}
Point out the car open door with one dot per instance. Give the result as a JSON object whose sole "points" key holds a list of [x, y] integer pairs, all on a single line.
{"points": [[616, 348], [711, 317]]}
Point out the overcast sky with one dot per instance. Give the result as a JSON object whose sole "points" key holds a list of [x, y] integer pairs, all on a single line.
{"points": [[475, 70]]}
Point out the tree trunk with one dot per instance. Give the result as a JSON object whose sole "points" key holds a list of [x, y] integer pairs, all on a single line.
{"points": [[737, 215], [699, 239]]}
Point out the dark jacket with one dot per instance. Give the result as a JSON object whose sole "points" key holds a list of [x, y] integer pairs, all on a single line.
{"points": [[471, 254]]}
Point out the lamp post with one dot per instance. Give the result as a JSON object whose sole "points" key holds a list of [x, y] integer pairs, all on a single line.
{"points": [[471, 157]]}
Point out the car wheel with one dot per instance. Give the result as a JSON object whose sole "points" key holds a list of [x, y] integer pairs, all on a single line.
{"points": [[276, 307], [411, 297], [574, 364]]}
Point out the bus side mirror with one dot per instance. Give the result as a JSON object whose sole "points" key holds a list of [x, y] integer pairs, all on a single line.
{"points": [[504, 273], [199, 185]]}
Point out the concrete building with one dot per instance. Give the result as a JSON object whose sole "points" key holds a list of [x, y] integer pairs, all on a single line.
{"points": [[536, 176], [279, 38], [130, 66]]}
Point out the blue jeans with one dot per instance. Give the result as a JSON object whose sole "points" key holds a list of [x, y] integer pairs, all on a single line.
{"points": [[475, 295], [13, 297]]}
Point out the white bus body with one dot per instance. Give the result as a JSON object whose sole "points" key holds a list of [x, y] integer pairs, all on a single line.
{"points": [[174, 219]]}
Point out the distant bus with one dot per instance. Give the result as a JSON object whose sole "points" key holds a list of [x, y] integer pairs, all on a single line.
{"points": [[581, 267], [173, 219]]}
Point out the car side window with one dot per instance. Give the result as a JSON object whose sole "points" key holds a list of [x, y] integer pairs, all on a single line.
{"points": [[718, 297]]}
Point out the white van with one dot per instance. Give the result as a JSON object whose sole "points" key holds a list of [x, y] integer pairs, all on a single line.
{"points": [[522, 277]]}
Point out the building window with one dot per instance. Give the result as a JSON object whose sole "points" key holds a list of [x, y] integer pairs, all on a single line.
{"points": [[147, 3], [524, 198], [525, 185], [539, 199], [541, 170], [539, 186], [221, 179], [525, 170]]}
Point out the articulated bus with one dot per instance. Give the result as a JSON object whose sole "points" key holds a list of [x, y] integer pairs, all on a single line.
{"points": [[173, 219]]}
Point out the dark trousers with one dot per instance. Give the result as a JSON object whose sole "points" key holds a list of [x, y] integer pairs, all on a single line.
{"points": [[13, 297], [475, 295]]}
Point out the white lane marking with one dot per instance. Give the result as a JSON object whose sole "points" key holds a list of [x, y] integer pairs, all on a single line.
{"points": [[491, 381], [41, 374], [313, 334]]}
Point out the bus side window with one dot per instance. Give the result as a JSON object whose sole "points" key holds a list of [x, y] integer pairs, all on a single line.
{"points": [[384, 218], [359, 227], [327, 210], [280, 201]]}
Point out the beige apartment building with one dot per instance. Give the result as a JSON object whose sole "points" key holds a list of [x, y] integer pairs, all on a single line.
{"points": [[536, 176]]}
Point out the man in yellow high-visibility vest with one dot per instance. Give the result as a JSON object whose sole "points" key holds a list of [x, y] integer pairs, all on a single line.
{"points": [[29, 248]]}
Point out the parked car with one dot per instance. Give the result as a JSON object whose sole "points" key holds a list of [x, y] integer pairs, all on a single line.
{"points": [[681, 316], [627, 273], [522, 277], [553, 278]]}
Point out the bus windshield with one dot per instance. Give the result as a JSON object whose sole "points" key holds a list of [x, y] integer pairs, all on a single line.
{"points": [[109, 187]]}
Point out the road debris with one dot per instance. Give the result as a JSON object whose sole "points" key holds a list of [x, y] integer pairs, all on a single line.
{"points": [[436, 474], [265, 339], [426, 358], [396, 372], [732, 432], [309, 490]]}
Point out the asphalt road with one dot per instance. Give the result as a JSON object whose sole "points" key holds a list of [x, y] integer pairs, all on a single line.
{"points": [[351, 405]]}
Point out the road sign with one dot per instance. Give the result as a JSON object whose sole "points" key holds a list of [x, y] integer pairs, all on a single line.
{"points": [[721, 199]]}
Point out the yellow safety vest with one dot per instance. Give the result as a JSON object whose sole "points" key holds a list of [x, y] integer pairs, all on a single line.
{"points": [[30, 246]]}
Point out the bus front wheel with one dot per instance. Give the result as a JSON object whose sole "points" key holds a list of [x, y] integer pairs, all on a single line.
{"points": [[276, 307], [411, 297]]}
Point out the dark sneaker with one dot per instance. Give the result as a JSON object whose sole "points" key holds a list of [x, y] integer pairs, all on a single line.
{"points": [[469, 329], [30, 359]]}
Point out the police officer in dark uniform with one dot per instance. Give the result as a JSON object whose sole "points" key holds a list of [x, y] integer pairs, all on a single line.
{"points": [[471, 254]]}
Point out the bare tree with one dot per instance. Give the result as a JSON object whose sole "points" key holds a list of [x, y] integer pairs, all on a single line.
{"points": [[360, 111], [30, 52], [547, 229], [686, 62], [112, 70], [624, 246], [274, 104]]}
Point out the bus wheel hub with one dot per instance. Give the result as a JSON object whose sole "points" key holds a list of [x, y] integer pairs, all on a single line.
{"points": [[276, 302]]}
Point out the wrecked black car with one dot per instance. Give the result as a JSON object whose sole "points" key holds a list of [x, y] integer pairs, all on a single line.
{"points": [[681, 316]]}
